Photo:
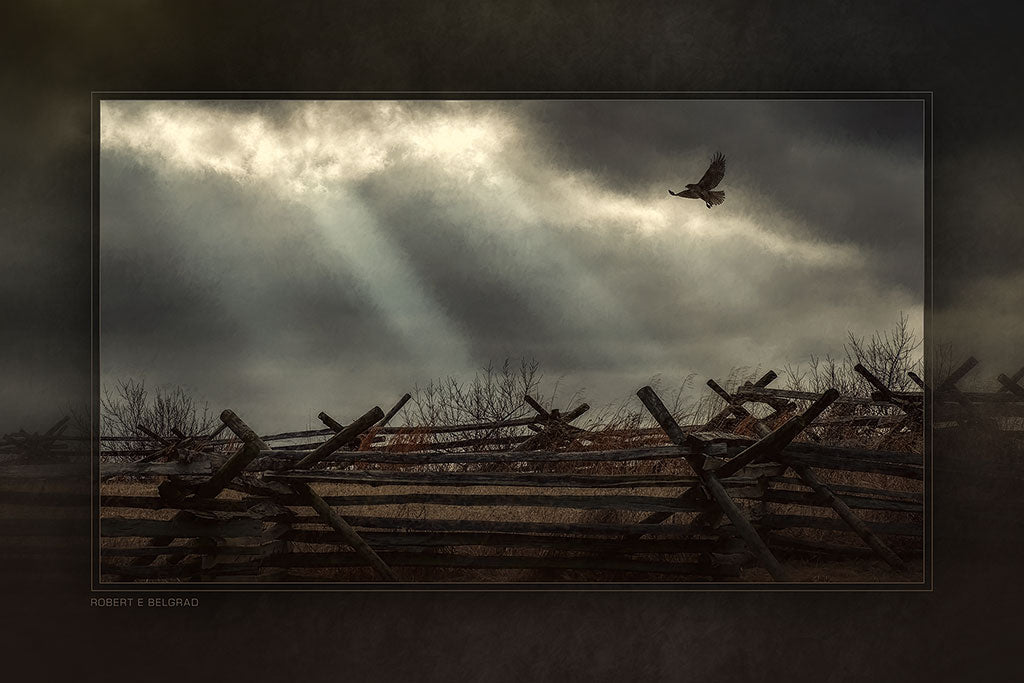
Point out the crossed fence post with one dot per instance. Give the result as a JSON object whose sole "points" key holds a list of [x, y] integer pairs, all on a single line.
{"points": [[252, 447], [810, 479], [913, 408], [383, 422], [766, 379], [254, 444], [947, 387], [37, 444], [769, 446], [182, 443], [710, 487], [553, 423], [1011, 384]]}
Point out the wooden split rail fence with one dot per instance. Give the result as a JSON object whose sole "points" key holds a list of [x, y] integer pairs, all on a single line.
{"points": [[710, 515], [710, 502]]}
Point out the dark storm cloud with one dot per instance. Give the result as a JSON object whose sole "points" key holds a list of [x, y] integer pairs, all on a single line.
{"points": [[632, 141], [980, 190], [209, 285], [844, 170], [645, 304], [978, 245], [266, 255], [502, 288], [51, 149]]}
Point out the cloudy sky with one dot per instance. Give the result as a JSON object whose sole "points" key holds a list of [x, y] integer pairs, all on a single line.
{"points": [[286, 257]]}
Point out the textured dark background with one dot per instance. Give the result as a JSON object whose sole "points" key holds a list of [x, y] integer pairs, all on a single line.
{"points": [[52, 54]]}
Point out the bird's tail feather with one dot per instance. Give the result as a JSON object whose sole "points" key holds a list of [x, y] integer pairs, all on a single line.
{"points": [[716, 197]]}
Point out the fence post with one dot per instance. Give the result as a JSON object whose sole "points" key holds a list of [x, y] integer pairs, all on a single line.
{"points": [[554, 424], [338, 523], [948, 386], [713, 486], [1014, 378], [341, 438], [761, 383], [1010, 385]]}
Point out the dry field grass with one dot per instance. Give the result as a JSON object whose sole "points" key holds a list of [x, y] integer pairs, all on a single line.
{"points": [[803, 568]]}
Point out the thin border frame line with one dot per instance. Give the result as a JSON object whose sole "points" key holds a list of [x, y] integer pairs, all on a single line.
{"points": [[926, 585]]}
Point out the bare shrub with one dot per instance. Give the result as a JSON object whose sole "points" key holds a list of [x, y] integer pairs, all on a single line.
{"points": [[127, 403], [494, 394], [889, 355]]}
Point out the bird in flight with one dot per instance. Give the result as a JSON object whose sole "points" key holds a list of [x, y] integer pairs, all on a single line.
{"points": [[705, 189]]}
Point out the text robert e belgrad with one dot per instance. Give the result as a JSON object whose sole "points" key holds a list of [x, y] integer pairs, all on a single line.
{"points": [[144, 602]]}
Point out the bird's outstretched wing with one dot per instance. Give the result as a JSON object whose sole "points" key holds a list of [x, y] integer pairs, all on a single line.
{"points": [[686, 194], [714, 174]]}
